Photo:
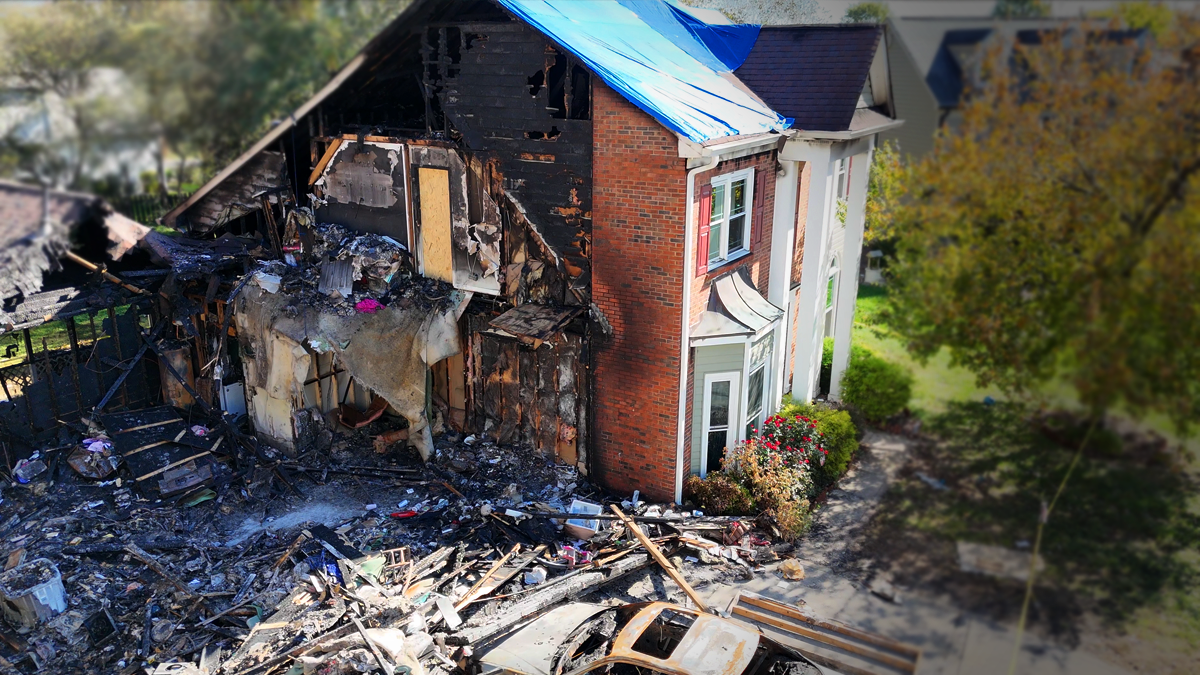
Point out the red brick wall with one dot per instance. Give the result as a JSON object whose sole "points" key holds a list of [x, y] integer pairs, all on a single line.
{"points": [[637, 268]]}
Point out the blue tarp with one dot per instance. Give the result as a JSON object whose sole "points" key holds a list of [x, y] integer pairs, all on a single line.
{"points": [[722, 48], [657, 69]]}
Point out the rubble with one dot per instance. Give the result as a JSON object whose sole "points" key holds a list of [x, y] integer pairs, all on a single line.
{"points": [[280, 564]]}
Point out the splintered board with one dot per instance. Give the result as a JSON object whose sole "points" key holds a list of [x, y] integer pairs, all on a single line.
{"points": [[160, 449], [831, 644]]}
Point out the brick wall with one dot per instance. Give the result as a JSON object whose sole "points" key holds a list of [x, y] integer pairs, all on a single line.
{"points": [[637, 269]]}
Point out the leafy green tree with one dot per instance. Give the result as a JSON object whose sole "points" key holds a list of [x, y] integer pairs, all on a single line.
{"points": [[1154, 17], [1056, 232], [867, 12], [1021, 9], [885, 188], [200, 79], [54, 56]]}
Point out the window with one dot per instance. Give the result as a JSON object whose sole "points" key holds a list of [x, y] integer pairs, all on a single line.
{"points": [[830, 297], [729, 216], [720, 428], [842, 170], [756, 391]]}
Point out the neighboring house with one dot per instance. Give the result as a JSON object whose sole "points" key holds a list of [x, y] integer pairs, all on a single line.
{"points": [[936, 62], [653, 247]]}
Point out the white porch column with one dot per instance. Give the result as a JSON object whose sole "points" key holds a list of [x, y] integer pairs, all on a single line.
{"points": [[783, 242], [812, 282], [851, 255]]}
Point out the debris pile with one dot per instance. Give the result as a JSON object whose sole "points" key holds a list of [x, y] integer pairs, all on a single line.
{"points": [[335, 561], [342, 272]]}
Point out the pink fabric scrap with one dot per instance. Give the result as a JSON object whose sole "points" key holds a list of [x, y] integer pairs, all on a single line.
{"points": [[368, 306]]}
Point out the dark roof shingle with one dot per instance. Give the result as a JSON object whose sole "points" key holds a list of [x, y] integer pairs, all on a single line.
{"points": [[813, 74]]}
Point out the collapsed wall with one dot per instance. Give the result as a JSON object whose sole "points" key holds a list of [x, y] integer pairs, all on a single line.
{"points": [[387, 352]]}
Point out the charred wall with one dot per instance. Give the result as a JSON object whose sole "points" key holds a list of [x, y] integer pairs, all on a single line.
{"points": [[513, 95]]}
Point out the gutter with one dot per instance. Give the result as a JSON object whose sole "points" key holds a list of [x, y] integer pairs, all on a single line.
{"points": [[844, 135], [689, 259]]}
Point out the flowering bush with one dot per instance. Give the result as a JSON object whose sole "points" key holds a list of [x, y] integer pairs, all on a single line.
{"points": [[795, 440], [779, 485]]}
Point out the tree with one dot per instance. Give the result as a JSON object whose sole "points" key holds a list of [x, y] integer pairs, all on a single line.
{"points": [[867, 12], [1154, 17], [201, 79], [1056, 232], [885, 188], [55, 55], [767, 12], [1021, 9]]}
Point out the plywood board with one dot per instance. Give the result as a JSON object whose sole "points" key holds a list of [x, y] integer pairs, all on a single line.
{"points": [[436, 252]]}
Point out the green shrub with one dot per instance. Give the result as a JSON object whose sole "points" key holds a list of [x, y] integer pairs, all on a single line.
{"points": [[877, 388], [719, 495], [826, 365], [839, 434]]}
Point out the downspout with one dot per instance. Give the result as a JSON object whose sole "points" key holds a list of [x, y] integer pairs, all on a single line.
{"points": [[689, 258]]}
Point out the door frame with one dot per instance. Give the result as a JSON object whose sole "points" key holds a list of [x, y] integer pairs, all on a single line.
{"points": [[734, 377]]}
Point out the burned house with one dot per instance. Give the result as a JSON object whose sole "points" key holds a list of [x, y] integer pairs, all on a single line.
{"points": [[64, 321], [607, 231]]}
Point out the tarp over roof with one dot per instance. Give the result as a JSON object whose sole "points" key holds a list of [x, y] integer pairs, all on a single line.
{"points": [[684, 93]]}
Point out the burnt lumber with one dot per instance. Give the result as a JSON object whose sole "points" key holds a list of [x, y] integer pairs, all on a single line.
{"points": [[661, 560]]}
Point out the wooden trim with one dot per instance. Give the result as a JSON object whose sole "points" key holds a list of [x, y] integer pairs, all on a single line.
{"points": [[325, 159], [878, 640], [170, 466], [147, 426]]}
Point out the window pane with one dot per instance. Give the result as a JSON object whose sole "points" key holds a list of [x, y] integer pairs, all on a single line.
{"points": [[829, 293], [718, 202], [715, 450], [737, 232], [754, 402], [714, 242], [718, 412], [760, 351], [738, 203]]}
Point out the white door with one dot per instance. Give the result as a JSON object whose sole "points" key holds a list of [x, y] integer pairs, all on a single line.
{"points": [[719, 419]]}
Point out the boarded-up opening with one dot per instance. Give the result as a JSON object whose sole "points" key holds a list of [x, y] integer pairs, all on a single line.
{"points": [[436, 254]]}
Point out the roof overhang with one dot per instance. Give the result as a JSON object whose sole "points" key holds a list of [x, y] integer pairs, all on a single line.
{"points": [[870, 127], [737, 312], [730, 147]]}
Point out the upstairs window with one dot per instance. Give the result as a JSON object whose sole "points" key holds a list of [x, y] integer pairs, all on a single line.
{"points": [[729, 216]]}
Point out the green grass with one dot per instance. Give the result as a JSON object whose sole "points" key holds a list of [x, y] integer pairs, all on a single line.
{"points": [[55, 335], [936, 383]]}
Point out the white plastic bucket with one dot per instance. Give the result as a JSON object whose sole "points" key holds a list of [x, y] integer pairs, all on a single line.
{"points": [[25, 606]]}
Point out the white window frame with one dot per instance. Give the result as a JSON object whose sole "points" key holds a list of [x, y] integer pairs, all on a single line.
{"points": [[732, 435], [725, 254], [832, 281], [749, 371]]}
